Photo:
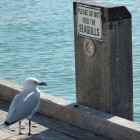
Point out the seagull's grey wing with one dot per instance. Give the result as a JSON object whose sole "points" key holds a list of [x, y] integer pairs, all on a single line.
{"points": [[27, 106], [13, 106]]}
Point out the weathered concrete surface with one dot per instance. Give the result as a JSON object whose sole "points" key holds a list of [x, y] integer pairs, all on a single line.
{"points": [[81, 116], [44, 128]]}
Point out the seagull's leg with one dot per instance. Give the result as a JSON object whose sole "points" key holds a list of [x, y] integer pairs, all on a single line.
{"points": [[29, 127], [20, 128]]}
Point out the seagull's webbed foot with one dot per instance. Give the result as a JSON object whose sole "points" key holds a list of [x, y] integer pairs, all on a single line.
{"points": [[29, 134], [20, 133]]}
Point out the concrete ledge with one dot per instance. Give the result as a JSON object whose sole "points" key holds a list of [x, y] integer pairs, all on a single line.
{"points": [[84, 117]]}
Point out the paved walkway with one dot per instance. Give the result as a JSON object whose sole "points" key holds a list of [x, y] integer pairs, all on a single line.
{"points": [[44, 128]]}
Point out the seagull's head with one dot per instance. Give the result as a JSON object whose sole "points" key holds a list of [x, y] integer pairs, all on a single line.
{"points": [[33, 83]]}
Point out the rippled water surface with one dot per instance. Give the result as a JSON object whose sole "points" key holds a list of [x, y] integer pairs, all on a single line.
{"points": [[36, 39]]}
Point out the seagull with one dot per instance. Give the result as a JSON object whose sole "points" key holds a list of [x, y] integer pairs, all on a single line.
{"points": [[24, 104]]}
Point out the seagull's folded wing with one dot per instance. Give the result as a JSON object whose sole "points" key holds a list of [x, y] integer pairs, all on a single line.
{"points": [[23, 106]]}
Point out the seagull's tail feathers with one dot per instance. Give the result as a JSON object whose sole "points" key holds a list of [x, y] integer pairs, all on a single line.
{"points": [[5, 125]]}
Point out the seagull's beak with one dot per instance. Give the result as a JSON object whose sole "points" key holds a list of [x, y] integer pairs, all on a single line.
{"points": [[42, 84]]}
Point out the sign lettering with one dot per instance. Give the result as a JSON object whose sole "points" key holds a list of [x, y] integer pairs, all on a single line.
{"points": [[89, 22]]}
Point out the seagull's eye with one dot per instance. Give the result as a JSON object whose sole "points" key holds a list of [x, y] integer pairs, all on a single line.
{"points": [[35, 82]]}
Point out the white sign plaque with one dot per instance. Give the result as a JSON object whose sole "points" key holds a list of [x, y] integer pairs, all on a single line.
{"points": [[89, 22]]}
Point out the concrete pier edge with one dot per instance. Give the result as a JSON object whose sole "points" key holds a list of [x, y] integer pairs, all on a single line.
{"points": [[78, 115]]}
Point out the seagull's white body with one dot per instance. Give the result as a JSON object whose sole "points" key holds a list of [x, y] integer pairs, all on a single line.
{"points": [[24, 104]]}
